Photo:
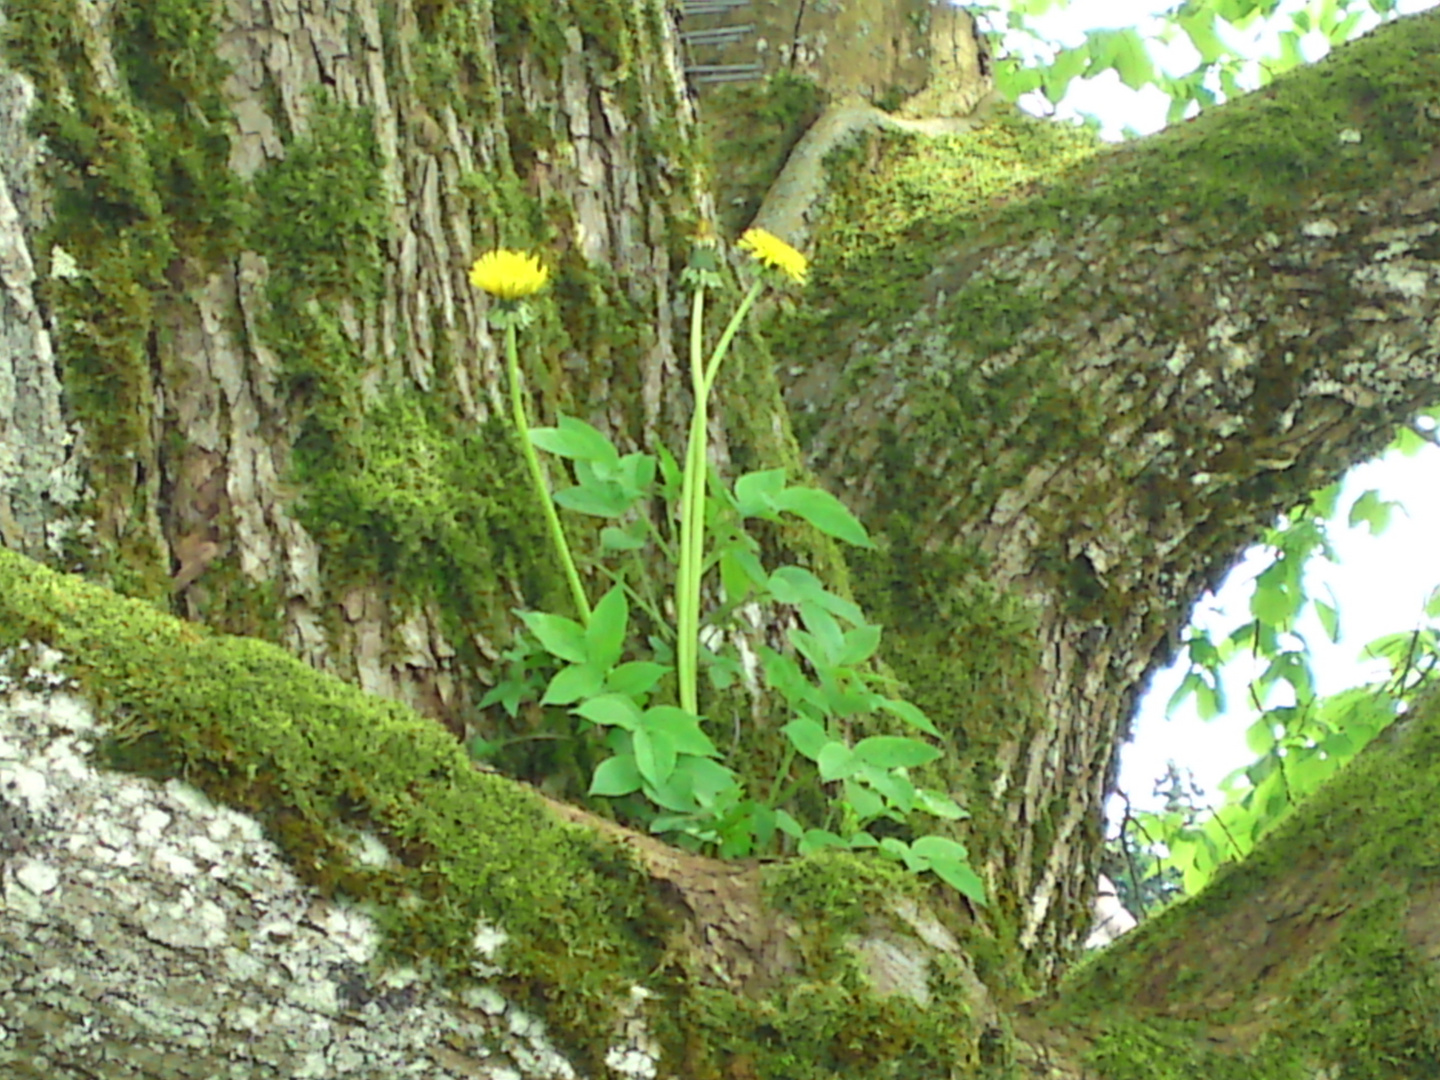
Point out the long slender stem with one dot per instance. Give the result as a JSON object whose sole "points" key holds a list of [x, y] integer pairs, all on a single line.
{"points": [[692, 521], [723, 345], [692, 495], [537, 477]]}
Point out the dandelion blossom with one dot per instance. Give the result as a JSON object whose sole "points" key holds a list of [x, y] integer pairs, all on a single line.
{"points": [[509, 275], [773, 252]]}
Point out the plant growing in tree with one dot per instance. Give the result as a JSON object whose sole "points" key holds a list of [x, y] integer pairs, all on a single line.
{"points": [[659, 750]]}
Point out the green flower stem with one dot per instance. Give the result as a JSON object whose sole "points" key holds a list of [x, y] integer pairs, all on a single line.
{"points": [[728, 336], [537, 477], [687, 591], [692, 495]]}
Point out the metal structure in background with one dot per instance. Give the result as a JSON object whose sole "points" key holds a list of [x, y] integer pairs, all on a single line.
{"points": [[707, 43]]}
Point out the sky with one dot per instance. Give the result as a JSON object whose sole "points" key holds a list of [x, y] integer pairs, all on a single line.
{"points": [[1381, 582]]}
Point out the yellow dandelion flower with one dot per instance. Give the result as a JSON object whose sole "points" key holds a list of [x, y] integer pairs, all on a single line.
{"points": [[773, 252], [509, 275]]}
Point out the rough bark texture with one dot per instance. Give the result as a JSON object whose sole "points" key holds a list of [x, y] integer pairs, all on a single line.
{"points": [[1094, 399], [424, 918], [244, 377]]}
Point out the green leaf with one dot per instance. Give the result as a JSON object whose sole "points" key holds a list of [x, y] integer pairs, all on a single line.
{"points": [[655, 754], [1329, 617], [910, 713], [740, 573], [826, 633], [636, 678], [1199, 27], [1068, 65], [1207, 702], [611, 710], [866, 804], [794, 585], [782, 673], [755, 493], [788, 825], [815, 839], [674, 795], [629, 538], [960, 876], [825, 512], [1188, 686], [558, 635], [599, 498], [807, 736], [681, 728], [575, 439], [836, 761], [572, 683], [635, 473], [892, 751], [707, 777], [1373, 510], [1123, 50], [897, 790], [858, 645], [939, 805], [1260, 736], [616, 776], [605, 636], [669, 474]]}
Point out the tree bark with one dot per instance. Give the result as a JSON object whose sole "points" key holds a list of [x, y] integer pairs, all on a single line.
{"points": [[245, 378]]}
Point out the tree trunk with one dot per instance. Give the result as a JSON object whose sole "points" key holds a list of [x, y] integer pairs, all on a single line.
{"points": [[246, 379]]}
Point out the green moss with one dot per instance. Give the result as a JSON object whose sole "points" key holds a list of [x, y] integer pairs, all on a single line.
{"points": [[841, 888], [439, 509], [749, 130], [823, 1030], [314, 759], [139, 184]]}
